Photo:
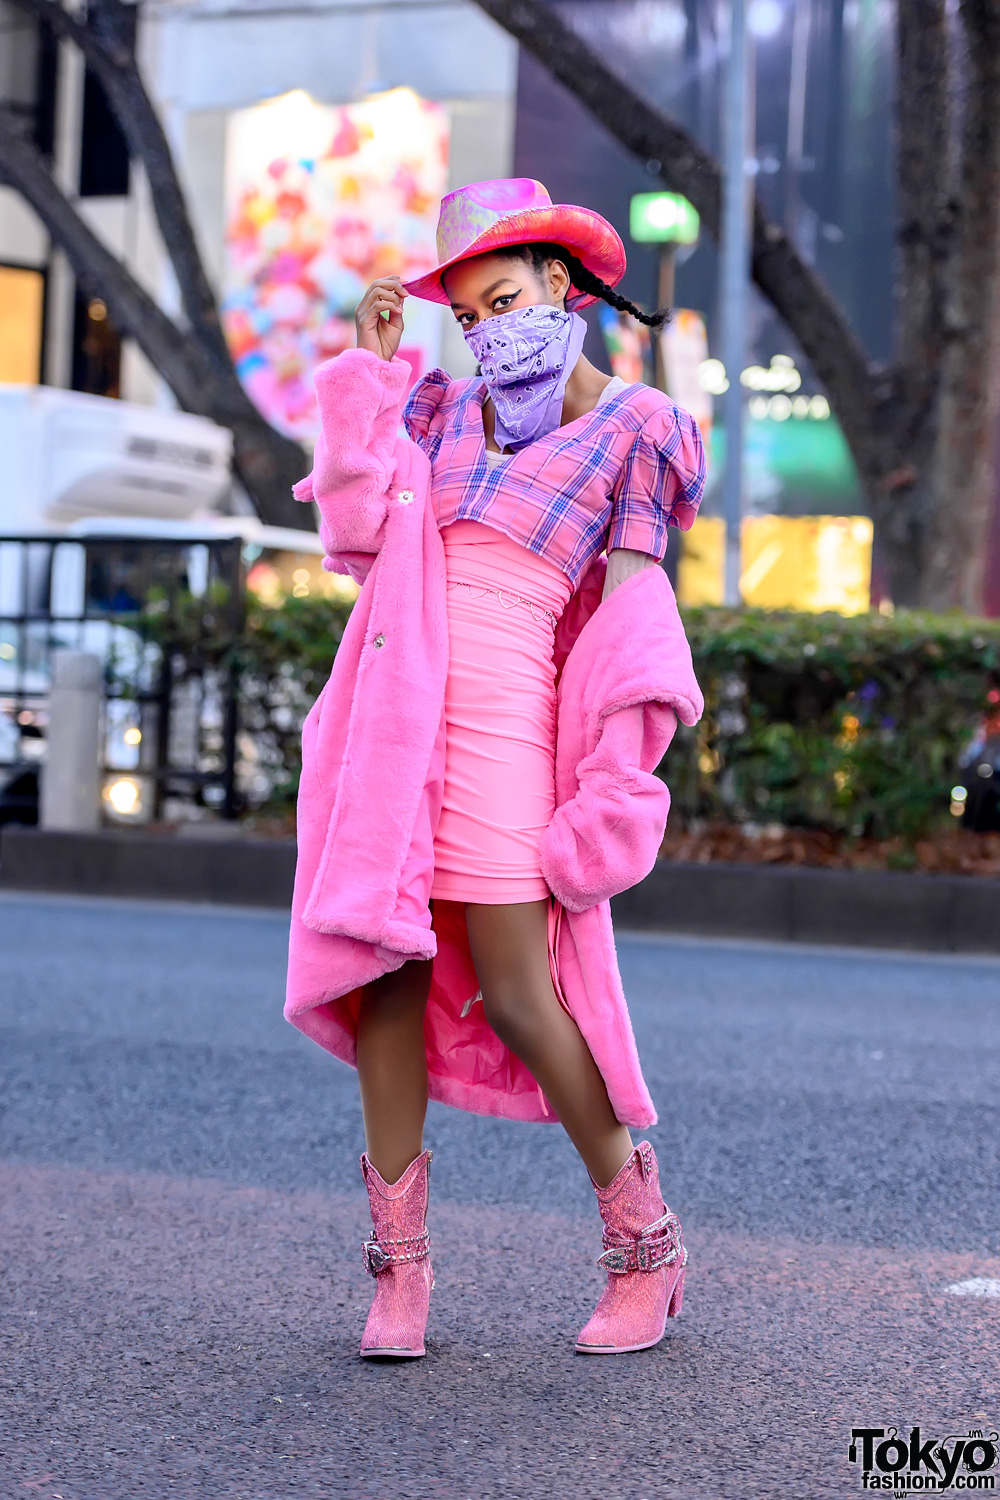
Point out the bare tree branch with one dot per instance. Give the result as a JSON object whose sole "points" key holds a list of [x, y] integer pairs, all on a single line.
{"points": [[132, 309], [921, 432], [793, 288], [686, 166], [858, 390], [197, 365], [106, 47], [268, 463]]}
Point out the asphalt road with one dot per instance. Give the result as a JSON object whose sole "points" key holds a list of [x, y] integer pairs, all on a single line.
{"points": [[181, 1211]]}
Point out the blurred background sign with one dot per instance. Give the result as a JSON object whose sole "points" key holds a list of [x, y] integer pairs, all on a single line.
{"points": [[627, 343], [663, 218], [683, 352], [669, 221], [810, 563]]}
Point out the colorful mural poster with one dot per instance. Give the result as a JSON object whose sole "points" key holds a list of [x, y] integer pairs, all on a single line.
{"points": [[319, 201]]}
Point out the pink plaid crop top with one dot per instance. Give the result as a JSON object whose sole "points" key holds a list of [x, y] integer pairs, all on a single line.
{"points": [[616, 477]]}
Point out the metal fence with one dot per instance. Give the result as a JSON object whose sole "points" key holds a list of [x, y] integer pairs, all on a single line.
{"points": [[161, 615]]}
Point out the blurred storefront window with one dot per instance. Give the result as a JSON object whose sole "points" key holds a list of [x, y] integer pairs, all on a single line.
{"points": [[104, 156], [22, 297], [27, 73], [97, 349]]}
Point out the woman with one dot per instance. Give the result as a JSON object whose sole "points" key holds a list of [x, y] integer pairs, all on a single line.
{"points": [[537, 468]]}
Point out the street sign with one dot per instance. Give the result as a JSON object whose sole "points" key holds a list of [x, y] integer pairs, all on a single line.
{"points": [[663, 219]]}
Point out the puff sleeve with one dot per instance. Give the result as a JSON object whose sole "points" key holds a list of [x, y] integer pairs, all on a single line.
{"points": [[421, 409], [661, 482]]}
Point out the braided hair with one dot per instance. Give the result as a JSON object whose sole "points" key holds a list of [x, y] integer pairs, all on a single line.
{"points": [[585, 281]]}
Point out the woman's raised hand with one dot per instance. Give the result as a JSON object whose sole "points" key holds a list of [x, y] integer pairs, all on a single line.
{"points": [[377, 334]]}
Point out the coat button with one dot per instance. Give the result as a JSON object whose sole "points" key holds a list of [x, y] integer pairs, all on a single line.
{"points": [[380, 640], [405, 496]]}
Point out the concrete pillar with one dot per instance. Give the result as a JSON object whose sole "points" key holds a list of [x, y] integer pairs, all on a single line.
{"points": [[71, 776]]}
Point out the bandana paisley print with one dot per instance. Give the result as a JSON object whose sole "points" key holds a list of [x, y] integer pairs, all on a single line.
{"points": [[526, 356]]}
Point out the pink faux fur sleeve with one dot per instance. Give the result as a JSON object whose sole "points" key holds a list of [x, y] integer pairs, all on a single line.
{"points": [[360, 405], [605, 839]]}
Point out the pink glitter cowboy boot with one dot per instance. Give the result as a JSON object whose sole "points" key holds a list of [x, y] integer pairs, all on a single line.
{"points": [[645, 1259], [398, 1256]]}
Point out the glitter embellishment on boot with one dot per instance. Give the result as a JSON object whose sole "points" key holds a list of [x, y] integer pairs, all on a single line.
{"points": [[397, 1254], [644, 1256]]}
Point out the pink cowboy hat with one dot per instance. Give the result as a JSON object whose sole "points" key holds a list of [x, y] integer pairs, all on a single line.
{"points": [[517, 211]]}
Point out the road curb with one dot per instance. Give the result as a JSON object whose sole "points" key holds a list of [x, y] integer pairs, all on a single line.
{"points": [[234, 872], [789, 904], [859, 908]]}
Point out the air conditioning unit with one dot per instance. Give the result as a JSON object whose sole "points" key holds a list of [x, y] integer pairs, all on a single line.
{"points": [[68, 456]]}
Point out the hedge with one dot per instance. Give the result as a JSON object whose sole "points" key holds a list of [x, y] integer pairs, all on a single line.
{"points": [[851, 724], [284, 658]]}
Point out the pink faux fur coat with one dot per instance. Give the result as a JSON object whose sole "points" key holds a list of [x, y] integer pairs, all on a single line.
{"points": [[373, 750]]}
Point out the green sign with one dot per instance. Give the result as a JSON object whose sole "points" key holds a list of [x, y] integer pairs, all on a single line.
{"points": [[663, 218]]}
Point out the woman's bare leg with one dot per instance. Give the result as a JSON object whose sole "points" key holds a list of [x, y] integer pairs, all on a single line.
{"points": [[510, 951], [392, 1066]]}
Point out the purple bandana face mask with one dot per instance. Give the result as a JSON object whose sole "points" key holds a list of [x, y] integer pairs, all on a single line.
{"points": [[527, 356]]}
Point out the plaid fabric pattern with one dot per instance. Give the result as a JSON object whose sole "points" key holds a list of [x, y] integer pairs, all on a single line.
{"points": [[616, 477]]}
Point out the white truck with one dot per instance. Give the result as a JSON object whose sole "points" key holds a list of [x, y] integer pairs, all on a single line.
{"points": [[69, 455]]}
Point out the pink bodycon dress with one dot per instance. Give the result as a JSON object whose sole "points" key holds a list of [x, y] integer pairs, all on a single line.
{"points": [[500, 709]]}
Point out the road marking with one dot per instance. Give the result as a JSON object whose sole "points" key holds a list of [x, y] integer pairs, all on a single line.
{"points": [[978, 1286]]}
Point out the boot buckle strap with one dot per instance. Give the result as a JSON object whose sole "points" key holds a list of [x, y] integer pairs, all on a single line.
{"points": [[658, 1244], [381, 1253]]}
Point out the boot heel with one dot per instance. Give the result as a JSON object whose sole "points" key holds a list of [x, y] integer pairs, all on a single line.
{"points": [[676, 1298]]}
